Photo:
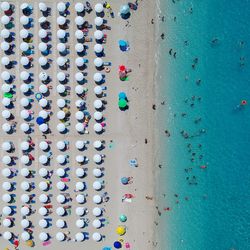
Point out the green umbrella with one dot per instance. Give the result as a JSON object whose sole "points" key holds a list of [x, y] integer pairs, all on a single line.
{"points": [[123, 218], [8, 95], [122, 103]]}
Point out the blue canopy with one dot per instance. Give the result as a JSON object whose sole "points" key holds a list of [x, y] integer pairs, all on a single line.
{"points": [[124, 180], [117, 244], [39, 120], [122, 95], [124, 10], [123, 43]]}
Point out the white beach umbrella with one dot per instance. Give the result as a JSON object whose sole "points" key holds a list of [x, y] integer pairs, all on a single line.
{"points": [[5, 6], [60, 236], [97, 158], [97, 185], [60, 115], [24, 114], [42, 20], [96, 223], [23, 6], [80, 223], [60, 185], [61, 103], [61, 159], [79, 61], [6, 146], [25, 172], [5, 75], [42, 7], [80, 158], [24, 46], [42, 47], [7, 210], [79, 127], [25, 186], [97, 172], [79, 115], [42, 33], [24, 88], [43, 198], [61, 47], [96, 236], [24, 75], [43, 223], [99, 8], [43, 236], [60, 88], [80, 211], [79, 103], [6, 160], [43, 114], [97, 199], [43, 211], [97, 144], [60, 198], [61, 76], [7, 235], [61, 145], [6, 186], [6, 101], [79, 7], [79, 47], [6, 198], [79, 20], [43, 159], [61, 7], [60, 223], [79, 34], [6, 172], [7, 223], [25, 223], [25, 159], [98, 35], [79, 89], [5, 46], [61, 20], [97, 77], [80, 172], [80, 198], [42, 61], [60, 211], [43, 76], [24, 60], [61, 61], [24, 20], [25, 211], [24, 102], [80, 186], [43, 185], [79, 237], [98, 128], [79, 144], [25, 127], [6, 88], [98, 21], [5, 20], [24, 34], [43, 145], [61, 127], [98, 116], [98, 62], [97, 104], [43, 127], [25, 236], [5, 33], [25, 198], [79, 76], [60, 172], [98, 48], [43, 172], [43, 102], [5, 60], [61, 34], [97, 211], [43, 89]]}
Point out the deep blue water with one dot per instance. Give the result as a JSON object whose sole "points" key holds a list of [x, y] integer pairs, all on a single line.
{"points": [[216, 214]]}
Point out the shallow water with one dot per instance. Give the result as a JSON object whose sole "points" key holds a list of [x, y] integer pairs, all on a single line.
{"points": [[216, 214]]}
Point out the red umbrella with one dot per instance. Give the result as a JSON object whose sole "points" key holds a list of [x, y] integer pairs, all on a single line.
{"points": [[122, 68]]}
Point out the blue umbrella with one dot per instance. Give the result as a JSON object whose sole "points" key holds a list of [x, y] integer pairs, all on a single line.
{"points": [[117, 244], [39, 120], [107, 248], [122, 95], [122, 43], [124, 180], [124, 10]]}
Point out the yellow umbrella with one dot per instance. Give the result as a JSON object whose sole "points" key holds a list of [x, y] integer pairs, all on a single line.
{"points": [[29, 243], [121, 230], [66, 110]]}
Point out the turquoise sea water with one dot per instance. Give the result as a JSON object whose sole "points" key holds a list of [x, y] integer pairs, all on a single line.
{"points": [[212, 207]]}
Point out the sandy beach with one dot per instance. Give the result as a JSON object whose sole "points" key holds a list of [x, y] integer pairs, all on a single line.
{"points": [[128, 134]]}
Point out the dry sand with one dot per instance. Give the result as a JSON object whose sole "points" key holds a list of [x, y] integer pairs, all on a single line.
{"points": [[128, 130]]}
